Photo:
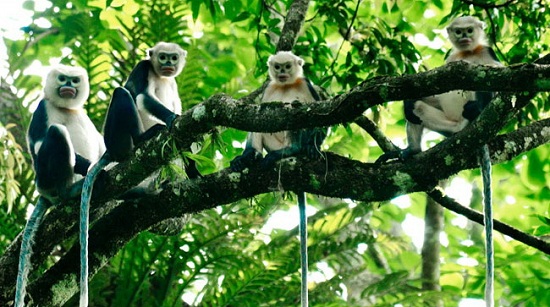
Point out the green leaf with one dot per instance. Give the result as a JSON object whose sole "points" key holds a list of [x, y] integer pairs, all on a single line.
{"points": [[242, 16], [534, 175]]}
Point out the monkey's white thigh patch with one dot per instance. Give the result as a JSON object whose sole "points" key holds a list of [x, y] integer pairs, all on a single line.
{"points": [[434, 119], [255, 139], [276, 141], [147, 119], [452, 103]]}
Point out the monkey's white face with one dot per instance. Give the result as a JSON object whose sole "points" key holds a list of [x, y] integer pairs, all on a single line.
{"points": [[169, 64], [466, 33], [285, 67], [67, 87], [284, 72], [464, 38], [168, 59]]}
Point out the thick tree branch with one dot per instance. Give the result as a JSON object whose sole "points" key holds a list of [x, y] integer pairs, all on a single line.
{"points": [[431, 261], [223, 110], [293, 24]]}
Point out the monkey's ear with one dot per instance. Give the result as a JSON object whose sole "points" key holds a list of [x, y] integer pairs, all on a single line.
{"points": [[300, 61], [183, 52], [150, 53]]}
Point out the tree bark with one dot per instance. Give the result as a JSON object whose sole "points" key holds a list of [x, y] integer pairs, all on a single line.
{"points": [[431, 248]]}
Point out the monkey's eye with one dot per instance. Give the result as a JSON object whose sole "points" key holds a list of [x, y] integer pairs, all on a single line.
{"points": [[287, 66], [163, 58], [277, 66], [61, 79], [458, 32], [174, 58], [470, 30], [75, 81]]}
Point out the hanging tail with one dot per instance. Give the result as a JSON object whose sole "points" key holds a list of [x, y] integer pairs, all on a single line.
{"points": [[87, 190], [303, 246], [26, 250], [488, 221]]}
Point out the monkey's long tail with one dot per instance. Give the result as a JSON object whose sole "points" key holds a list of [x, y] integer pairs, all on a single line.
{"points": [[87, 190], [26, 250], [303, 246], [488, 221]]}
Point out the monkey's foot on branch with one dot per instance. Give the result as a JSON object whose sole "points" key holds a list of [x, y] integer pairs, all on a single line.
{"points": [[399, 155]]}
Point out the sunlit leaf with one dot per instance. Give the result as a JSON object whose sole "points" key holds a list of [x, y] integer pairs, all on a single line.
{"points": [[102, 4], [452, 279]]}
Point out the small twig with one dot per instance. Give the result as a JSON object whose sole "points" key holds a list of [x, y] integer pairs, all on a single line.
{"points": [[473, 215], [346, 36], [494, 36], [372, 129]]}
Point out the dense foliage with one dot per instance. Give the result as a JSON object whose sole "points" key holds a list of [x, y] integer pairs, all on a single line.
{"points": [[361, 254]]}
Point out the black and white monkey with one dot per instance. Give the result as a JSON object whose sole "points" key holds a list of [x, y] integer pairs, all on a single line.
{"points": [[148, 103], [63, 143], [287, 84], [450, 112]]}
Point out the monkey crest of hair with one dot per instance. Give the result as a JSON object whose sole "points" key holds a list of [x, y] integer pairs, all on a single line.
{"points": [[67, 87], [168, 59], [466, 33], [285, 67]]}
